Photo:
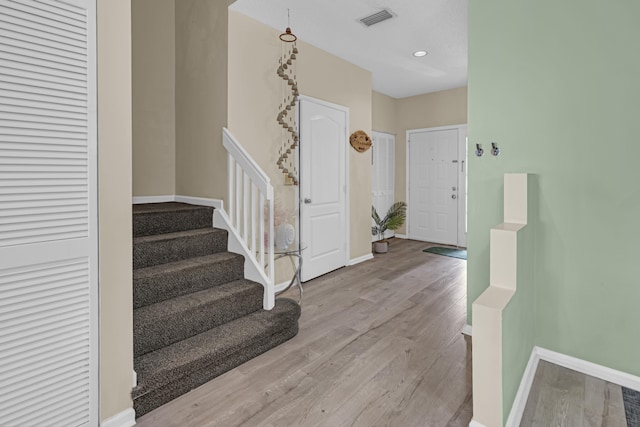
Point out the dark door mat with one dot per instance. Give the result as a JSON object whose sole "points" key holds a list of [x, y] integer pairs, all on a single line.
{"points": [[631, 400], [452, 252]]}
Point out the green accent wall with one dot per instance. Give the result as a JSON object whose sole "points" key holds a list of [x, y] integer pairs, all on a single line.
{"points": [[557, 86]]}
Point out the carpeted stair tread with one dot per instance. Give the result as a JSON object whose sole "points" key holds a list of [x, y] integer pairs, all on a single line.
{"points": [[170, 217], [171, 247], [225, 344], [164, 281], [195, 315], [167, 392], [162, 324], [144, 208]]}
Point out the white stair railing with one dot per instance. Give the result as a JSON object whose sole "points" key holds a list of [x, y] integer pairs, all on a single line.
{"points": [[250, 215]]}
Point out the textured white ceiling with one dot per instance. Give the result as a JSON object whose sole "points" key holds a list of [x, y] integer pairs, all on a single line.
{"points": [[385, 49]]}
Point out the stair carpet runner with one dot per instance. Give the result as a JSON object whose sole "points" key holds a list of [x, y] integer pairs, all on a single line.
{"points": [[195, 316]]}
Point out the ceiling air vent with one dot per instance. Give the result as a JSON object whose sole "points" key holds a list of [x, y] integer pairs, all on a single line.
{"points": [[377, 17]]}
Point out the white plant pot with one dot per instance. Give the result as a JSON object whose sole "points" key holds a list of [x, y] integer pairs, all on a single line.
{"points": [[380, 247]]}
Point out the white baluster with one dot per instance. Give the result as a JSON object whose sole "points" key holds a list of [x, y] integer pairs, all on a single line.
{"points": [[252, 244], [246, 192], [271, 241], [231, 168], [238, 184], [261, 228]]}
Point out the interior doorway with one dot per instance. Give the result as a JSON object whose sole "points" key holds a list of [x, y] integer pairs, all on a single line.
{"points": [[436, 185], [383, 174]]}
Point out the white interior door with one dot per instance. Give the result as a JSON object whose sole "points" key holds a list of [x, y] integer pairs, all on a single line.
{"points": [[48, 214], [383, 174], [433, 185], [323, 184]]}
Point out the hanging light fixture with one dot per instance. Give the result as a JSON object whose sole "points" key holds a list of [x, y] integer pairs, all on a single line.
{"points": [[286, 114]]}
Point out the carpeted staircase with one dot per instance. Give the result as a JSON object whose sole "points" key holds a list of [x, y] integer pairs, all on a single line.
{"points": [[195, 316]]}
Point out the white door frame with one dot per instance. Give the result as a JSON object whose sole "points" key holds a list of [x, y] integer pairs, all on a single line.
{"points": [[462, 163], [347, 199], [388, 233]]}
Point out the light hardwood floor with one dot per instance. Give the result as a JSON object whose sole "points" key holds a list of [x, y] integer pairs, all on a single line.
{"points": [[562, 397], [379, 345]]}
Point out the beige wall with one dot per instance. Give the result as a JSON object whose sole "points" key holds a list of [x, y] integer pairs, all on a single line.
{"points": [[327, 77], [114, 180], [154, 130], [254, 93], [384, 110], [180, 97], [444, 108], [201, 97]]}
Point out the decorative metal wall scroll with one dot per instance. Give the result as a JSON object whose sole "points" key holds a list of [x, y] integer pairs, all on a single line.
{"points": [[287, 113]]}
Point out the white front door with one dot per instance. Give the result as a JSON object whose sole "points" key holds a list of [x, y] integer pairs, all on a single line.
{"points": [[382, 174], [48, 214], [433, 186], [323, 145]]}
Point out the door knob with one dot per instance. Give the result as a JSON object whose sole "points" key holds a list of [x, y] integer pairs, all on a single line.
{"points": [[453, 196], [307, 201]]}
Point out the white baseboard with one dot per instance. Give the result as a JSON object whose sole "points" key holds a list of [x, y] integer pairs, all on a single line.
{"points": [[520, 401], [215, 203], [474, 423], [360, 259], [126, 418], [401, 236], [588, 368], [613, 376], [153, 199], [467, 330]]}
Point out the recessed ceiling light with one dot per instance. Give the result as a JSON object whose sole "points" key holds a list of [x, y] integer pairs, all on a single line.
{"points": [[420, 53]]}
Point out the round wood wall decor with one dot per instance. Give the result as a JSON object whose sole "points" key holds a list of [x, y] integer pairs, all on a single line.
{"points": [[360, 141]]}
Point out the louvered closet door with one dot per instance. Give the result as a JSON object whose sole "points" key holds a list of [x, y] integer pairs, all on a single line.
{"points": [[48, 217]]}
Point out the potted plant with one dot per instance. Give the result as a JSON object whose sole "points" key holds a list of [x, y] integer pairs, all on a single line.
{"points": [[392, 221]]}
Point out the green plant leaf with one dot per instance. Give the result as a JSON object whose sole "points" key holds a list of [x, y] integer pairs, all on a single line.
{"points": [[393, 220], [375, 216], [396, 215]]}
